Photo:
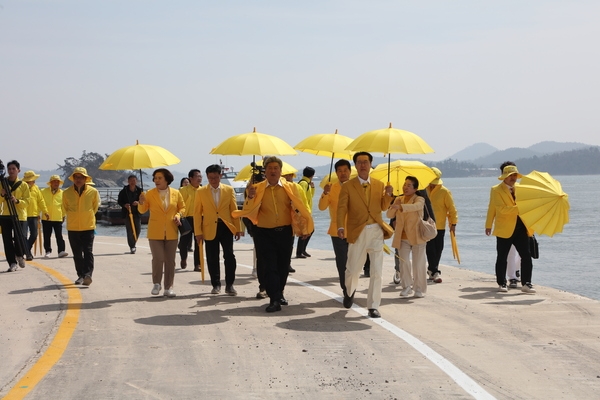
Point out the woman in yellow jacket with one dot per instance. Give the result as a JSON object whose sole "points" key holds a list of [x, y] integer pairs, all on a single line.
{"points": [[36, 205], [166, 207], [408, 211]]}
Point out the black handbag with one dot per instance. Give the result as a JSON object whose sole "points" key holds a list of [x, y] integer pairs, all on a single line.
{"points": [[185, 227], [534, 249]]}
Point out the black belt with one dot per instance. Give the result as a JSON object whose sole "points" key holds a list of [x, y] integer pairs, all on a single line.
{"points": [[276, 229]]}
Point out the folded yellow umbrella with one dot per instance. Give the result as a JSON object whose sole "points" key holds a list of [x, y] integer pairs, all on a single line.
{"points": [[454, 247]]}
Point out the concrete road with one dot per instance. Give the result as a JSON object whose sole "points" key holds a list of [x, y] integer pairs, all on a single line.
{"points": [[114, 340]]}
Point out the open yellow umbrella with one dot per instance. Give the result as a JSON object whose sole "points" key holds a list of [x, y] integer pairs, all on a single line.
{"points": [[138, 156], [332, 177], [328, 145], [390, 140], [396, 172], [543, 206], [254, 144], [246, 172]]}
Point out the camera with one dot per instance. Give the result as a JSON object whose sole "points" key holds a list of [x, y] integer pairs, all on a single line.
{"points": [[2, 169], [258, 173]]}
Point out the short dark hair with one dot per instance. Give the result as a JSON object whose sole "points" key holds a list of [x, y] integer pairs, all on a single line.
{"points": [[341, 163], [131, 176], [166, 173], [214, 168], [192, 172], [505, 164], [362, 153], [309, 172], [272, 159], [414, 181], [13, 162]]}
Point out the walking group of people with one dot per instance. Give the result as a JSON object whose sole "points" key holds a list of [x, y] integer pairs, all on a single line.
{"points": [[276, 210]]}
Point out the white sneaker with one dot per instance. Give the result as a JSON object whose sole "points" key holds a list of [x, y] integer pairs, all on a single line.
{"points": [[437, 277], [407, 291], [170, 293], [47, 255], [397, 277], [254, 273], [528, 288], [63, 254], [503, 288], [419, 294], [21, 262], [156, 289], [12, 268]]}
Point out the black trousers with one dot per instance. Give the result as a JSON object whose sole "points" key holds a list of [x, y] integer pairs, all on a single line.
{"points": [[82, 246], [301, 245], [434, 250], [274, 250], [32, 227], [520, 240], [137, 222], [340, 248], [185, 243], [47, 228], [12, 248], [224, 238]]}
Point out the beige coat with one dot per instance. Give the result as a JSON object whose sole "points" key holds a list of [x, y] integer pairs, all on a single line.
{"points": [[408, 220]]}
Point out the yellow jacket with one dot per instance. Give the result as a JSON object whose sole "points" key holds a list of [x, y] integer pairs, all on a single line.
{"points": [[354, 210], [443, 206], [80, 210], [302, 222], [308, 191], [189, 196], [36, 202], [407, 220], [207, 214], [53, 203], [502, 212], [160, 223], [22, 194], [330, 201]]}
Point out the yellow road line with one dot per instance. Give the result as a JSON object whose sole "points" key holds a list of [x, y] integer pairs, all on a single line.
{"points": [[59, 343]]}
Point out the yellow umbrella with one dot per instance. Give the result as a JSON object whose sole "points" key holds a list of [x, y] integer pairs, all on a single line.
{"points": [[246, 172], [543, 206], [396, 172], [454, 247], [254, 144], [332, 177], [390, 140], [138, 156], [327, 144]]}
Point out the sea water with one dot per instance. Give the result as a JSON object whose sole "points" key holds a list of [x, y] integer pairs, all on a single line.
{"points": [[569, 260]]}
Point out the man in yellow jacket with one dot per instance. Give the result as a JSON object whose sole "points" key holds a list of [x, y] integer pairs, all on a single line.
{"points": [[359, 221], [13, 236], [36, 206], [509, 229], [276, 208], [80, 204], [189, 194], [444, 210], [53, 196], [214, 224]]}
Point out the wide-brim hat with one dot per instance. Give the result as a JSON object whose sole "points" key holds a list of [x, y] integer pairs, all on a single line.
{"points": [[55, 178], [508, 171], [30, 176], [438, 180], [82, 171]]}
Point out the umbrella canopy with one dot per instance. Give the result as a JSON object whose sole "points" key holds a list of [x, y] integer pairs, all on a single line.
{"points": [[255, 144], [543, 206], [327, 144], [332, 177], [246, 172], [390, 140], [139, 156], [399, 170]]}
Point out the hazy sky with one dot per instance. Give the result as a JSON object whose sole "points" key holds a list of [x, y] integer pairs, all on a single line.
{"points": [[185, 75]]}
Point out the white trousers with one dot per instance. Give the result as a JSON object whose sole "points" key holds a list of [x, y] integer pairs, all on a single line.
{"points": [[370, 241], [418, 277]]}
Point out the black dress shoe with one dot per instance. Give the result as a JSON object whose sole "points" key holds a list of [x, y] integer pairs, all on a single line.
{"points": [[306, 254], [348, 300], [274, 306], [283, 301], [290, 269], [300, 256], [373, 313]]}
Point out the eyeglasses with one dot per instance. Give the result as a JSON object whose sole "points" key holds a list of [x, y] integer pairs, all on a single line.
{"points": [[363, 162]]}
